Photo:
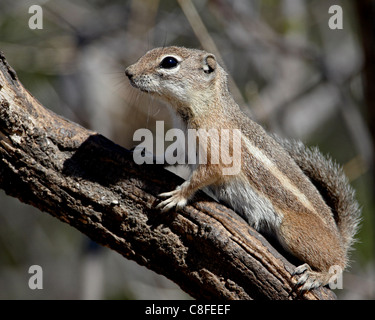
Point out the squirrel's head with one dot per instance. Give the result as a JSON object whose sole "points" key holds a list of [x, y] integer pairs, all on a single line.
{"points": [[177, 74]]}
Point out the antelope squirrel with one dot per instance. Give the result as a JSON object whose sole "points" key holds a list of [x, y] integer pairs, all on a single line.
{"points": [[283, 188]]}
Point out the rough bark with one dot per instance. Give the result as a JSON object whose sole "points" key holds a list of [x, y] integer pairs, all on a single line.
{"points": [[87, 181]]}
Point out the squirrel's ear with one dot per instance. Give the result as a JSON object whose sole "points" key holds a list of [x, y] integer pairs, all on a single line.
{"points": [[209, 63]]}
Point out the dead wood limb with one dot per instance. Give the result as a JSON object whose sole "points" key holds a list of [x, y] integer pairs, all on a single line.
{"points": [[87, 181]]}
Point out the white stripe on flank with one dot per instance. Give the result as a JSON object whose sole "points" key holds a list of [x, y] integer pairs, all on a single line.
{"points": [[285, 181]]}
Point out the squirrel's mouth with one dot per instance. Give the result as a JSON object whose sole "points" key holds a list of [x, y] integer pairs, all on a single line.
{"points": [[136, 85], [141, 84], [140, 87]]}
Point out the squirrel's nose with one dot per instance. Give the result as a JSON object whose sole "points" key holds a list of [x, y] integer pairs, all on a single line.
{"points": [[128, 73]]}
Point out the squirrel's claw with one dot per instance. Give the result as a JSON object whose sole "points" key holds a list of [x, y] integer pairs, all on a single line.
{"points": [[175, 199], [310, 279]]}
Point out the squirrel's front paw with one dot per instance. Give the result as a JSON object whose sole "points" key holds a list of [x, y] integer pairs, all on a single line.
{"points": [[176, 199], [310, 279]]}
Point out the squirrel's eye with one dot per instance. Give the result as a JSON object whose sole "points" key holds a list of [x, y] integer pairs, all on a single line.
{"points": [[169, 63]]}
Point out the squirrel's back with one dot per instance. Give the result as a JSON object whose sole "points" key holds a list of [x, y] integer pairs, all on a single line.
{"points": [[330, 180]]}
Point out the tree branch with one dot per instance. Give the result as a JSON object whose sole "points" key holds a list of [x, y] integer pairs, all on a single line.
{"points": [[87, 181]]}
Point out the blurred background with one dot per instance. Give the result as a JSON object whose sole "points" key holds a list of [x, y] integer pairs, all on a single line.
{"points": [[289, 71]]}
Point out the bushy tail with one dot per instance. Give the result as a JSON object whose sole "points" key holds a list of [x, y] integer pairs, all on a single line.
{"points": [[330, 180]]}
